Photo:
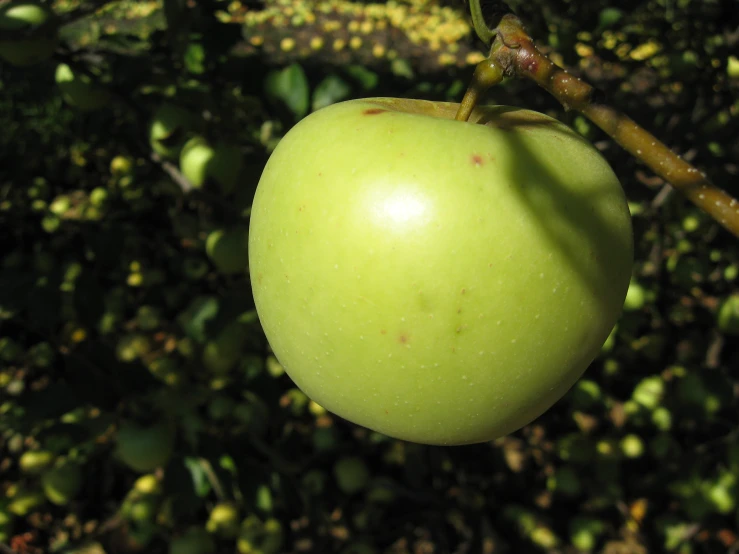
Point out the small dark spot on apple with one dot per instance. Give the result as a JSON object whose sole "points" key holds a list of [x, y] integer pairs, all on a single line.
{"points": [[463, 291], [383, 332], [459, 310], [260, 278], [373, 111], [458, 329], [404, 338], [387, 412], [320, 174], [477, 160]]}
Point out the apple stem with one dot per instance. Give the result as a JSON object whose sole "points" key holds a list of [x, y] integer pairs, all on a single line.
{"points": [[487, 74], [514, 53]]}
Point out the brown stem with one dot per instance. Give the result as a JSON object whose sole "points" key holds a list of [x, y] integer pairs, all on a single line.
{"points": [[515, 52]]}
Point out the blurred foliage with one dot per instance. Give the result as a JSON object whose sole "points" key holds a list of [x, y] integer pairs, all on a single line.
{"points": [[140, 407]]}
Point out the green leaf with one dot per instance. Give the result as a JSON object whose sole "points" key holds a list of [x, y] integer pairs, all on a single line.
{"points": [[289, 86], [366, 78], [609, 17], [329, 91], [199, 475], [194, 58]]}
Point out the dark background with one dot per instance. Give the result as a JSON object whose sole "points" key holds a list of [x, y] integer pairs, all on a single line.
{"points": [[108, 299]]}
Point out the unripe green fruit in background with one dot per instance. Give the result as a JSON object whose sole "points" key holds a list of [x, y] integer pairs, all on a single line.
{"points": [[732, 67], [168, 130], [145, 448], [36, 461], [26, 16], [121, 166], [438, 281], [200, 161], [224, 521], [61, 484], [229, 249], [79, 90], [635, 297], [221, 353], [194, 158], [728, 315]]}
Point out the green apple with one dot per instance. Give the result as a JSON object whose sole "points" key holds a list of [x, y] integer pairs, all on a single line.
{"points": [[224, 521], [36, 461], [36, 22], [438, 281], [194, 158], [79, 90], [122, 166], [728, 315], [145, 448], [635, 297], [229, 249], [200, 161], [732, 67], [168, 130], [62, 483], [221, 353]]}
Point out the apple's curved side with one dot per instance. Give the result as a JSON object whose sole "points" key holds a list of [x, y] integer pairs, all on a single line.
{"points": [[437, 281]]}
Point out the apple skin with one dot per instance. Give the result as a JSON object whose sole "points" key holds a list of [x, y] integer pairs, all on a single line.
{"points": [[27, 15], [79, 90], [437, 281]]}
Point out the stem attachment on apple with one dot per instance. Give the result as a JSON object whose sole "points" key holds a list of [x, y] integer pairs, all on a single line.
{"points": [[487, 74]]}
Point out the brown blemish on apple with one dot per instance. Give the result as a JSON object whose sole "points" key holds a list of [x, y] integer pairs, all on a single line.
{"points": [[373, 111], [463, 291], [383, 332], [404, 338], [260, 278], [477, 160], [459, 310]]}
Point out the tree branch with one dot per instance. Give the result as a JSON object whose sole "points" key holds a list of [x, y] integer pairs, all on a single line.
{"points": [[515, 54]]}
